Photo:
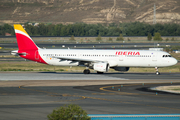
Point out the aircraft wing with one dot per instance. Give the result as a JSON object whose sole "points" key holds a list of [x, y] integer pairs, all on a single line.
{"points": [[77, 59]]}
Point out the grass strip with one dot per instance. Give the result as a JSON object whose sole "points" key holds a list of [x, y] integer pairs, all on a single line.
{"points": [[33, 66]]}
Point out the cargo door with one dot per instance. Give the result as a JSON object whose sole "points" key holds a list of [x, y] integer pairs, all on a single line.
{"points": [[121, 58]]}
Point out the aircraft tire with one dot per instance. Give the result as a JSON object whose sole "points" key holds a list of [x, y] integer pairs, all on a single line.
{"points": [[157, 73], [86, 71]]}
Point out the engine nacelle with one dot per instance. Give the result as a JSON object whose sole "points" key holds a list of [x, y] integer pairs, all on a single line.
{"points": [[124, 69], [101, 67]]}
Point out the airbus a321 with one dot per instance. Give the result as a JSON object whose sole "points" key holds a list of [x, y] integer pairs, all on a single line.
{"points": [[99, 60]]}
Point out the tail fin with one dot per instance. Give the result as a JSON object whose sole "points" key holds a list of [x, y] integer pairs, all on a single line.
{"points": [[23, 39]]}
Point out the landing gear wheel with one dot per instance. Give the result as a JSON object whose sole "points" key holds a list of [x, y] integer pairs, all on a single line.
{"points": [[86, 71], [157, 73], [99, 72]]}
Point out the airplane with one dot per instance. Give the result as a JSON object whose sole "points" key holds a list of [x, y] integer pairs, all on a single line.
{"points": [[98, 60]]}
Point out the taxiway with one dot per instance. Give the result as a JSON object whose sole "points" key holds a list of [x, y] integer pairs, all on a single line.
{"points": [[31, 97]]}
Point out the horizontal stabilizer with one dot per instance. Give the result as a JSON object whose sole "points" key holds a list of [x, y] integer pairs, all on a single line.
{"points": [[15, 53]]}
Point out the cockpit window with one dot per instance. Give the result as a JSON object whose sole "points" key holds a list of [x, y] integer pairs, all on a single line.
{"points": [[166, 55]]}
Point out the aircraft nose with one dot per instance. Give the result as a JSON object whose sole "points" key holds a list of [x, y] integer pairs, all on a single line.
{"points": [[174, 61]]}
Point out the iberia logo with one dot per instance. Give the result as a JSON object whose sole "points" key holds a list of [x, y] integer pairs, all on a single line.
{"points": [[127, 53]]}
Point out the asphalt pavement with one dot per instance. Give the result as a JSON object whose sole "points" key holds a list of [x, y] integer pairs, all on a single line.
{"points": [[37, 102]]}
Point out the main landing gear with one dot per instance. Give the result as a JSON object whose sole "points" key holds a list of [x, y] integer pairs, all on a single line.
{"points": [[86, 71], [157, 73]]}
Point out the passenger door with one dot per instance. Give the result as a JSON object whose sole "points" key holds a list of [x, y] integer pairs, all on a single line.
{"points": [[36, 55], [154, 57]]}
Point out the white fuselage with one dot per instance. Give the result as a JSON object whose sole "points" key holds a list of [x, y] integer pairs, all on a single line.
{"points": [[124, 58], [98, 60]]}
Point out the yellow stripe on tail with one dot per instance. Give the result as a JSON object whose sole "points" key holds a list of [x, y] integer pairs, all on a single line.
{"points": [[19, 27]]}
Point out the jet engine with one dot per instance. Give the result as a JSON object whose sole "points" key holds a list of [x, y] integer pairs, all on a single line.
{"points": [[101, 67], [123, 69]]}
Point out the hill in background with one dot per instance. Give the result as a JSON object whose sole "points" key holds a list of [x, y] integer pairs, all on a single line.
{"points": [[88, 11]]}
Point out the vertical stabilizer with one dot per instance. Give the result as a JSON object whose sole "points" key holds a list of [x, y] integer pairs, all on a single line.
{"points": [[23, 39]]}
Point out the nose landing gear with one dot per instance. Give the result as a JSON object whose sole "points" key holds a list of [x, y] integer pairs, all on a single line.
{"points": [[157, 72]]}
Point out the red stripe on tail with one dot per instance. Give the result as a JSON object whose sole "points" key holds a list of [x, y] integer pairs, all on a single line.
{"points": [[25, 43]]}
